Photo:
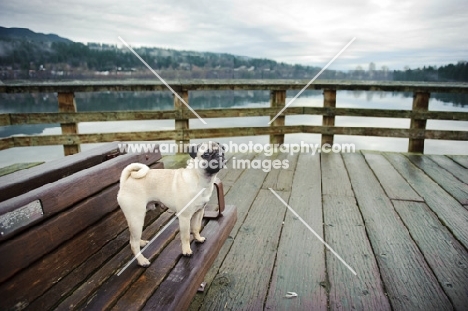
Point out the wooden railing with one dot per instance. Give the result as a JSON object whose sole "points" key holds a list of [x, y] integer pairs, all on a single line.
{"points": [[68, 117]]}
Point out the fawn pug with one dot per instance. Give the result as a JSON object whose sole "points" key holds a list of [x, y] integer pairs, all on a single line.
{"points": [[174, 188]]}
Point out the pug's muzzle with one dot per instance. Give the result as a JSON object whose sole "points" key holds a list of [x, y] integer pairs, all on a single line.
{"points": [[215, 161]]}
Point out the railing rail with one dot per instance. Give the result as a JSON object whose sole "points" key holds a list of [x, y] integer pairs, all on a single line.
{"points": [[68, 117]]}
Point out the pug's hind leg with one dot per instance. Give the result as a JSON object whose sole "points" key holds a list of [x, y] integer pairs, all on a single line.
{"points": [[195, 224], [135, 227]]}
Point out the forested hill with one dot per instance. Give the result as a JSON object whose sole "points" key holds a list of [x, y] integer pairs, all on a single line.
{"points": [[29, 35], [25, 54]]}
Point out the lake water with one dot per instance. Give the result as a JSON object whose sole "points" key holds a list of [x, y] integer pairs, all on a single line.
{"points": [[21, 103]]}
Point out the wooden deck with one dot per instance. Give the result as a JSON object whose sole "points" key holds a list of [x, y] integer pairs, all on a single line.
{"points": [[399, 220]]}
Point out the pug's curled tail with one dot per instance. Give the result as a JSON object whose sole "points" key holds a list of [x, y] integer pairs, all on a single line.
{"points": [[135, 170]]}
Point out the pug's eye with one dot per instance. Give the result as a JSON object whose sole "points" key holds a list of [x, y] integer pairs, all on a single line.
{"points": [[206, 155]]}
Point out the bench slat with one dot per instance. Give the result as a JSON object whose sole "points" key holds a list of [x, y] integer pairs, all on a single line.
{"points": [[114, 286], [23, 250], [20, 182], [20, 252], [62, 194], [178, 289], [139, 292], [66, 285], [47, 278], [40, 276]]}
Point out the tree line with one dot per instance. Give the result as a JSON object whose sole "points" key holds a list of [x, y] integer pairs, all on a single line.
{"points": [[450, 72]]}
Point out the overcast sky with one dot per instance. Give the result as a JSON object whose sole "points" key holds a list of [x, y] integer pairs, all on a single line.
{"points": [[393, 33]]}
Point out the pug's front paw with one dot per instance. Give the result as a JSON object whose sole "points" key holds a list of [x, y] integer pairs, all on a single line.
{"points": [[186, 251], [143, 262]]}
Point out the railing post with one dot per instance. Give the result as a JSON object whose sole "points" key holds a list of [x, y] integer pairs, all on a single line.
{"points": [[420, 104], [277, 100], [181, 121], [66, 103], [329, 100]]}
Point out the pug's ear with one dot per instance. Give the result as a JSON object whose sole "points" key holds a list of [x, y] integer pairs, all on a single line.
{"points": [[193, 150]]}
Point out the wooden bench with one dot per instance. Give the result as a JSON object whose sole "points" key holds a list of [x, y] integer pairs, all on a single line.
{"points": [[64, 240]]}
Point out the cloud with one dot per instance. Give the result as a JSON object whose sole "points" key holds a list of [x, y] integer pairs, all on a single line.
{"points": [[388, 32]]}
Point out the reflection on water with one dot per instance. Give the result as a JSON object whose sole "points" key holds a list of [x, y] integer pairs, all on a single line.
{"points": [[125, 101]]}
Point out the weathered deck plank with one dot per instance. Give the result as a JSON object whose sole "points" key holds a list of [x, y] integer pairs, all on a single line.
{"points": [[450, 165], [450, 183], [334, 183], [345, 232], [241, 190], [233, 172], [449, 210], [462, 160], [245, 190], [231, 175], [446, 256], [393, 183], [300, 258], [410, 283], [280, 179], [243, 278]]}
